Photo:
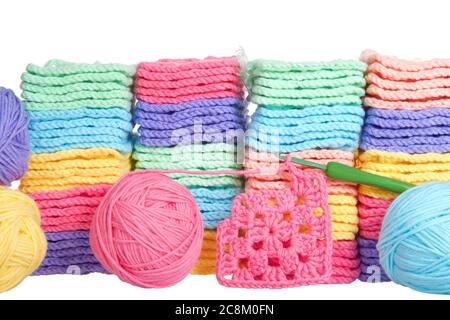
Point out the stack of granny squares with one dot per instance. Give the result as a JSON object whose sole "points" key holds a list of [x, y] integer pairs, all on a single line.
{"points": [[80, 126], [190, 115], [312, 111], [406, 137]]}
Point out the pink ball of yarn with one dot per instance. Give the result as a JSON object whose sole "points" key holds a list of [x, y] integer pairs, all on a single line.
{"points": [[147, 230]]}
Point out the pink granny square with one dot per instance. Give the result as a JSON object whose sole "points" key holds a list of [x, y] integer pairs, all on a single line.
{"points": [[277, 238]]}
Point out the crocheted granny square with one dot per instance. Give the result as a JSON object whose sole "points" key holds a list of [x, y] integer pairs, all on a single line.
{"points": [[277, 238]]}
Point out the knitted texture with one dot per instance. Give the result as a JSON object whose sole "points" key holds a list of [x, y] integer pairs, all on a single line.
{"points": [[213, 194], [195, 157], [186, 101], [399, 84], [341, 198], [412, 168], [371, 214], [345, 262], [410, 142], [374, 203], [78, 106], [371, 270], [312, 111], [182, 80], [146, 110], [214, 203], [407, 131], [69, 253], [57, 130], [191, 115], [280, 84], [80, 129], [281, 66], [64, 85], [74, 168], [335, 127], [193, 124], [207, 262], [69, 209], [277, 238]]}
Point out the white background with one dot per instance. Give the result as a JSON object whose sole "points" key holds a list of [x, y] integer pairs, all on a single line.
{"points": [[132, 31]]}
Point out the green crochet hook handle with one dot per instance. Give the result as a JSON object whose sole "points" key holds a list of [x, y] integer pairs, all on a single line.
{"points": [[343, 172]]}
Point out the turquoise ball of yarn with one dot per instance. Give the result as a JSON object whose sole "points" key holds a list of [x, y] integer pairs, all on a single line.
{"points": [[414, 244]]}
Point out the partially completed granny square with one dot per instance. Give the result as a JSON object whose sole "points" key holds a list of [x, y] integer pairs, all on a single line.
{"points": [[277, 238]]}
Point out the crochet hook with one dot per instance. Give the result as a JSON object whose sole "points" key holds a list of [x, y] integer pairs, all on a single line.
{"points": [[343, 172]]}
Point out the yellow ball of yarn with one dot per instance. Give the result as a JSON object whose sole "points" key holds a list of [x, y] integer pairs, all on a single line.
{"points": [[22, 242]]}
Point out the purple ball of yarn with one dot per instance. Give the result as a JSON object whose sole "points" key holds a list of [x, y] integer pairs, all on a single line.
{"points": [[14, 139]]}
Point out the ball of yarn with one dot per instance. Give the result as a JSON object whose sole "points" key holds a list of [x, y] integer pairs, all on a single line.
{"points": [[147, 230], [414, 243], [22, 242], [14, 140]]}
